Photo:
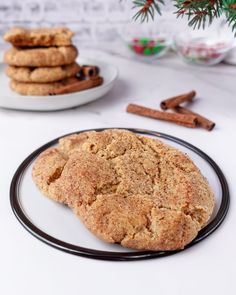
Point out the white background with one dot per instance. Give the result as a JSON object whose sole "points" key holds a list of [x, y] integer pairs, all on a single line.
{"points": [[97, 23], [28, 266], [97, 20]]}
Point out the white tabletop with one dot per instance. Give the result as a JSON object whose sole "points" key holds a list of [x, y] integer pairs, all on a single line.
{"points": [[29, 266]]}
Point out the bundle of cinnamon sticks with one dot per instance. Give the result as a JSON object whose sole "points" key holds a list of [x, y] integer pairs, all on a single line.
{"points": [[180, 115], [88, 78]]}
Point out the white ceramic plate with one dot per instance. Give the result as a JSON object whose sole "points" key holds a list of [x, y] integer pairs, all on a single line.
{"points": [[56, 225], [12, 100]]}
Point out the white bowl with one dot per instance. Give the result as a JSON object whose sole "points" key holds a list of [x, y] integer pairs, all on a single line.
{"points": [[202, 50]]}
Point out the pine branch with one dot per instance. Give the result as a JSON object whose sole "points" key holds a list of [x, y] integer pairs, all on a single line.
{"points": [[147, 9], [230, 12], [199, 12]]}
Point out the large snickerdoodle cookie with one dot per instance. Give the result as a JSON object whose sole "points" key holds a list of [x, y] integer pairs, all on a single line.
{"points": [[41, 57], [39, 37], [39, 88], [127, 189], [42, 74]]}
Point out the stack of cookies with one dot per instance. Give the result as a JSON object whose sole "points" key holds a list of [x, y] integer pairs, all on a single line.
{"points": [[41, 60]]}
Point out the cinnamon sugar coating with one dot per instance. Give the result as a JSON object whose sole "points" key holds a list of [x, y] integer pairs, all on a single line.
{"points": [[41, 57], [39, 37], [40, 89], [127, 189], [42, 74]]}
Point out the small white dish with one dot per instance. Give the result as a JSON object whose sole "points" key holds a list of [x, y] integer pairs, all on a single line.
{"points": [[12, 100], [203, 49], [146, 42]]}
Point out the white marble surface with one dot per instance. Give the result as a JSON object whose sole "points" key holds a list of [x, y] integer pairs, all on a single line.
{"points": [[28, 266]]}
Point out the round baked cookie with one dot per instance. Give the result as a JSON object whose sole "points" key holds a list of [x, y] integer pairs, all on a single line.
{"points": [[42, 74], [127, 189], [41, 57], [39, 37], [39, 88]]}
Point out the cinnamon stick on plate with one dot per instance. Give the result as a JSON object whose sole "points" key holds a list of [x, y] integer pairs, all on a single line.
{"points": [[173, 102], [89, 71], [181, 119], [78, 86], [202, 121]]}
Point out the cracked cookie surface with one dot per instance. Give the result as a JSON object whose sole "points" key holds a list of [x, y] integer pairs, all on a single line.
{"points": [[42, 74], [40, 57], [39, 89], [39, 37], [127, 189]]}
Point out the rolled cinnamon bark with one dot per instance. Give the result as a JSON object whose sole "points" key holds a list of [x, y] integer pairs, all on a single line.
{"points": [[184, 120], [201, 121], [89, 71], [78, 86], [173, 102]]}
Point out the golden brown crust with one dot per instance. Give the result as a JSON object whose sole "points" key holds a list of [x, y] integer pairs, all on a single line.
{"points": [[42, 74], [41, 57], [39, 88], [39, 37], [49, 167], [131, 189], [137, 223]]}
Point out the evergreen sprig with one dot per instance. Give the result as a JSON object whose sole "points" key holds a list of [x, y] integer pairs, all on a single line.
{"points": [[147, 9], [199, 12], [230, 12]]}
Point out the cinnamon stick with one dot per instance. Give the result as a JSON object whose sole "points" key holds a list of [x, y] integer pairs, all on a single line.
{"points": [[78, 86], [173, 102], [181, 119], [89, 71], [202, 121]]}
